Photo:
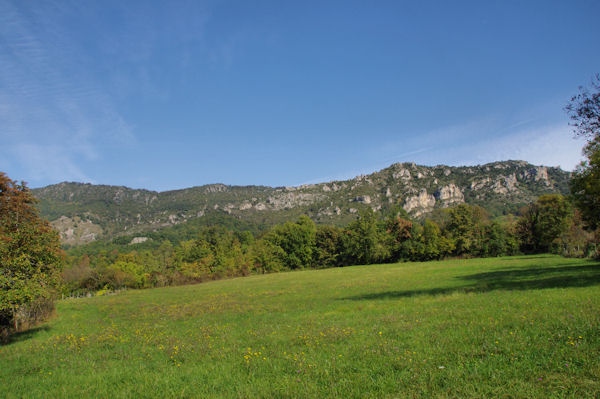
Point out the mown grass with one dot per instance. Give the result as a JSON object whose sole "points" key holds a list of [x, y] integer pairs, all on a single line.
{"points": [[504, 327]]}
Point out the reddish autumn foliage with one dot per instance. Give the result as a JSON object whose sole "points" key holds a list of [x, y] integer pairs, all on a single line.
{"points": [[30, 257]]}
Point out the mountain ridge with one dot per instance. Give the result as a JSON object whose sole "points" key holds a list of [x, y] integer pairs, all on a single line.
{"points": [[65, 182], [84, 212]]}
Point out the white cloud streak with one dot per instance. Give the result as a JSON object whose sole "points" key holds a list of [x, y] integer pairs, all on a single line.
{"points": [[46, 162], [551, 145], [488, 140], [54, 115], [478, 142]]}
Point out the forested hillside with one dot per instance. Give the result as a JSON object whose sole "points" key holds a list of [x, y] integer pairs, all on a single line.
{"points": [[83, 213]]}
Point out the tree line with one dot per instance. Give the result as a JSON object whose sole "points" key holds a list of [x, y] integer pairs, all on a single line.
{"points": [[551, 224]]}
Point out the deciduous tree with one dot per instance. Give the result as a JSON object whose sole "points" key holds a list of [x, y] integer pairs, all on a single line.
{"points": [[466, 228], [584, 111], [543, 222], [297, 240], [30, 258]]}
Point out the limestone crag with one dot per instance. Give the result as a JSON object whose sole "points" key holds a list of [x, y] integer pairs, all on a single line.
{"points": [[365, 199], [505, 184], [479, 184], [292, 200], [537, 173], [402, 174], [138, 240], [419, 204], [76, 230], [449, 195]]}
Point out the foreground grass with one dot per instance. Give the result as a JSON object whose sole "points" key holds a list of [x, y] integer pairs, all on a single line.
{"points": [[504, 327]]}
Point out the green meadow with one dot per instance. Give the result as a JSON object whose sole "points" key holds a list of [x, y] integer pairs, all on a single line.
{"points": [[514, 327]]}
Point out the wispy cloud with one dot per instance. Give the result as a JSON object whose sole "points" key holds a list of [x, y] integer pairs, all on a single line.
{"points": [[43, 162], [54, 114], [477, 142], [551, 145], [490, 139]]}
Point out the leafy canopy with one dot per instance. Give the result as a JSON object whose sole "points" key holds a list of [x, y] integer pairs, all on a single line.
{"points": [[30, 256], [584, 111]]}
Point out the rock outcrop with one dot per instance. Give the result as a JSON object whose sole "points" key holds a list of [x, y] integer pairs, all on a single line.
{"points": [[419, 204], [76, 231], [449, 195], [138, 240]]}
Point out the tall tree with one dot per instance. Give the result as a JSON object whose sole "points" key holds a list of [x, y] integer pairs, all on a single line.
{"points": [[30, 257], [466, 228], [297, 241], [363, 241], [543, 222], [327, 246], [584, 111], [399, 231]]}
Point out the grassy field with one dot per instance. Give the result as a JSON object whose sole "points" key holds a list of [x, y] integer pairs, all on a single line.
{"points": [[504, 327]]}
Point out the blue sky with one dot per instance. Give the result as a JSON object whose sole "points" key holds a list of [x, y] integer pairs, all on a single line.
{"points": [[171, 94]]}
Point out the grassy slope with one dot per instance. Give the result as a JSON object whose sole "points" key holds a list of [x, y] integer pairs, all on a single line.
{"points": [[506, 327]]}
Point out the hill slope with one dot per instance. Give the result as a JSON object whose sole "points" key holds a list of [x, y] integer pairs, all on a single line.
{"points": [[85, 212]]}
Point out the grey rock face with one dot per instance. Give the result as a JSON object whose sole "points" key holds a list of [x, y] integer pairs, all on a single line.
{"points": [[365, 199], [449, 195], [138, 240], [419, 204]]}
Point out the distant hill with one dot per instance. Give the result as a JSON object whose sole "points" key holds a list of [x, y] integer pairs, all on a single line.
{"points": [[85, 212]]}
